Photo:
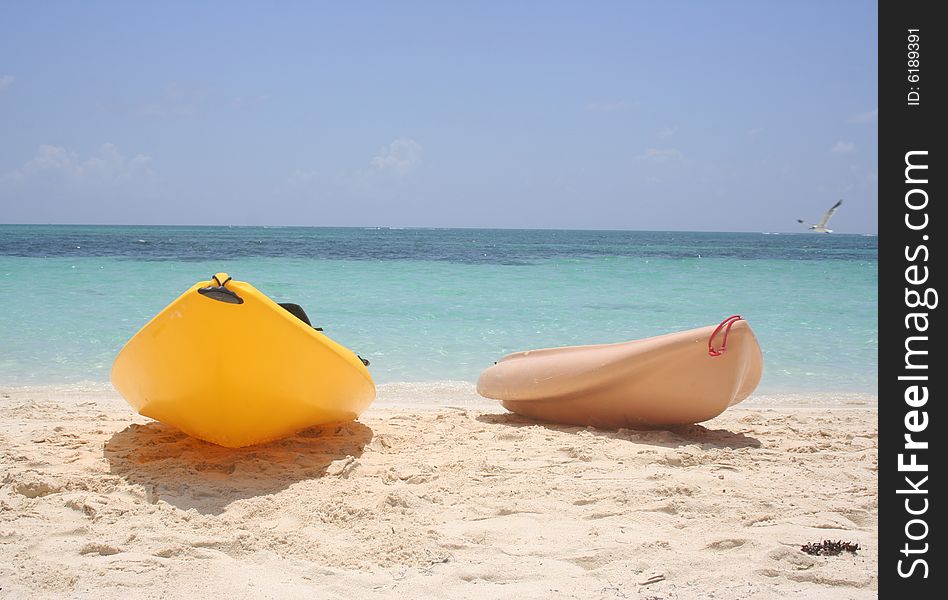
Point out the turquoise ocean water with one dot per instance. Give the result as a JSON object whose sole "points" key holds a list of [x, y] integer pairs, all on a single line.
{"points": [[433, 304]]}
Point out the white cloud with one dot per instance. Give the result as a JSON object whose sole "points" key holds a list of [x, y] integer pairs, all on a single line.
{"points": [[302, 178], [6, 82], [242, 102], [175, 100], [57, 165], [607, 106], [870, 116], [400, 156], [842, 147], [660, 154], [667, 132]]}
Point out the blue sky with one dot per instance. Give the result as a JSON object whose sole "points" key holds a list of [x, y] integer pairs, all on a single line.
{"points": [[726, 116]]}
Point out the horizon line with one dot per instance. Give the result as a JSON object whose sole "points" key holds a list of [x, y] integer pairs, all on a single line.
{"points": [[431, 227]]}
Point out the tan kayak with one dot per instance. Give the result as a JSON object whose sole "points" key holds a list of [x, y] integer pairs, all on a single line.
{"points": [[672, 379]]}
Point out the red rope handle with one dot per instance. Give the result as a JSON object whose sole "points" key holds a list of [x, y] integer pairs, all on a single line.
{"points": [[726, 325]]}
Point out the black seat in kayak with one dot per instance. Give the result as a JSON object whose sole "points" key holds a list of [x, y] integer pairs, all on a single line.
{"points": [[297, 311]]}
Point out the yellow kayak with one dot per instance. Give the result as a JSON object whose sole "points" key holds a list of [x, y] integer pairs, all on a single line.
{"points": [[226, 364]]}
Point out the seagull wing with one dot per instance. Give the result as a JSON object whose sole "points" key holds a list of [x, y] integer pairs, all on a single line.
{"points": [[829, 215]]}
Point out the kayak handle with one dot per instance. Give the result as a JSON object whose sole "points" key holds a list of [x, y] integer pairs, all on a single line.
{"points": [[726, 325], [220, 292]]}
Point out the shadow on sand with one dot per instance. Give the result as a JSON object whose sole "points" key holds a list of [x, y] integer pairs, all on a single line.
{"points": [[667, 438], [190, 473]]}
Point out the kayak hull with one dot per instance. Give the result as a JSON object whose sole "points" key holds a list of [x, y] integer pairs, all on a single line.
{"points": [[239, 374], [651, 383]]}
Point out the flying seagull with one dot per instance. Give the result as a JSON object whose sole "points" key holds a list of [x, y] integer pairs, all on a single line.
{"points": [[821, 226]]}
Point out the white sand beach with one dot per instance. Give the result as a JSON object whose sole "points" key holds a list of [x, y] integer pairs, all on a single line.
{"points": [[436, 494]]}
